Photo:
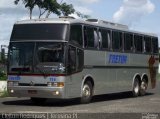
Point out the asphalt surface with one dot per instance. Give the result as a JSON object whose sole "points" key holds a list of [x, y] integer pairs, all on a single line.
{"points": [[110, 103]]}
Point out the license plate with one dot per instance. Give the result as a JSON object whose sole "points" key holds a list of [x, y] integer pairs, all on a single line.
{"points": [[32, 91]]}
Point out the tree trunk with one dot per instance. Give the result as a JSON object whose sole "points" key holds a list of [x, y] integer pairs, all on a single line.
{"points": [[30, 14], [40, 13], [49, 12]]}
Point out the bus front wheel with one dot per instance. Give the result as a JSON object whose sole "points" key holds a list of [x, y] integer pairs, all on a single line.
{"points": [[86, 93]]}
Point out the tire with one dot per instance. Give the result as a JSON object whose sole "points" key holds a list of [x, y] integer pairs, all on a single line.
{"points": [[136, 88], [143, 88], [87, 92], [38, 101]]}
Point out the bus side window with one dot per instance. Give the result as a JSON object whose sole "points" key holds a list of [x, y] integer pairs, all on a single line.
{"points": [[85, 37], [147, 44], [96, 39], [138, 42], [128, 42], [76, 34], [116, 40], [71, 59], [75, 59], [80, 59], [105, 36], [91, 37], [155, 45], [100, 39]]}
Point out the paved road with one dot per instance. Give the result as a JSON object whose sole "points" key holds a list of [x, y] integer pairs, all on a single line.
{"points": [[111, 103]]}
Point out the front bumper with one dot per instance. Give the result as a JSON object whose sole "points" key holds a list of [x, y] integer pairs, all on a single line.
{"points": [[40, 92]]}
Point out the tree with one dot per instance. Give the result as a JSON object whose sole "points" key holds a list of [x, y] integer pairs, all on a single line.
{"points": [[41, 8], [83, 16], [52, 7], [47, 7], [67, 9], [30, 4]]}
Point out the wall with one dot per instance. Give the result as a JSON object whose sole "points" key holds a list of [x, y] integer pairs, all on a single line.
{"points": [[3, 86]]}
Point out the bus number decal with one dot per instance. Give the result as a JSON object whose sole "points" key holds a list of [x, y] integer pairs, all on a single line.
{"points": [[117, 59], [14, 78], [52, 79]]}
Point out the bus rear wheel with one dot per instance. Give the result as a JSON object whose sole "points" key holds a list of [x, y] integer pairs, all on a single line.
{"points": [[38, 101], [136, 88], [86, 92], [144, 86]]}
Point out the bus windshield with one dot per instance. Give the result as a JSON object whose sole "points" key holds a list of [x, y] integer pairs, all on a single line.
{"points": [[39, 32], [20, 57], [37, 57], [49, 57]]}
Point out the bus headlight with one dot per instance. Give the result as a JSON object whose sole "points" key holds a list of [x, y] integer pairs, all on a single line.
{"points": [[56, 92], [55, 84], [13, 83]]}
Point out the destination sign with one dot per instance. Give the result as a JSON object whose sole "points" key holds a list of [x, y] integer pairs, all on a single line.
{"points": [[117, 59]]}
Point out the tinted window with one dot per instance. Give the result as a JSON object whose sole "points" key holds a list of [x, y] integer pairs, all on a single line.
{"points": [[105, 37], [75, 59], [80, 59], [138, 43], [21, 56], [72, 59], [116, 40], [155, 45], [39, 32], [147, 44], [90, 37], [128, 42], [76, 34], [50, 52]]}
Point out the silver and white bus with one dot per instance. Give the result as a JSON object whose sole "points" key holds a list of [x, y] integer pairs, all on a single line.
{"points": [[67, 58]]}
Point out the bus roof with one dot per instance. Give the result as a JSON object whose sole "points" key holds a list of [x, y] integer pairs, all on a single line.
{"points": [[92, 22]]}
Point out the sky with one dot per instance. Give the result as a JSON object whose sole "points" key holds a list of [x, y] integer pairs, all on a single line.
{"points": [[139, 15]]}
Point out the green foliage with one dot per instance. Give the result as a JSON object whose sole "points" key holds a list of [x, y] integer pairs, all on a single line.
{"points": [[30, 4], [83, 16], [3, 76], [67, 9], [4, 94], [47, 6]]}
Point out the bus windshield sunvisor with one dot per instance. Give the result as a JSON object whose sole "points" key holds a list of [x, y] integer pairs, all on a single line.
{"points": [[39, 32]]}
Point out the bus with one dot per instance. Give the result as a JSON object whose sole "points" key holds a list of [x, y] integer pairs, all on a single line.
{"points": [[64, 58]]}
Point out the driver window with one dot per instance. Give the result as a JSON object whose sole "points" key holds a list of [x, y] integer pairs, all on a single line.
{"points": [[72, 59], [75, 59]]}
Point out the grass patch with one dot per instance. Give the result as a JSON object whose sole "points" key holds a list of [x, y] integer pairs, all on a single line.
{"points": [[4, 94]]}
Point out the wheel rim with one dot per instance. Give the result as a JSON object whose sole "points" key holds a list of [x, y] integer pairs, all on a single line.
{"points": [[86, 91], [144, 86], [136, 88]]}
